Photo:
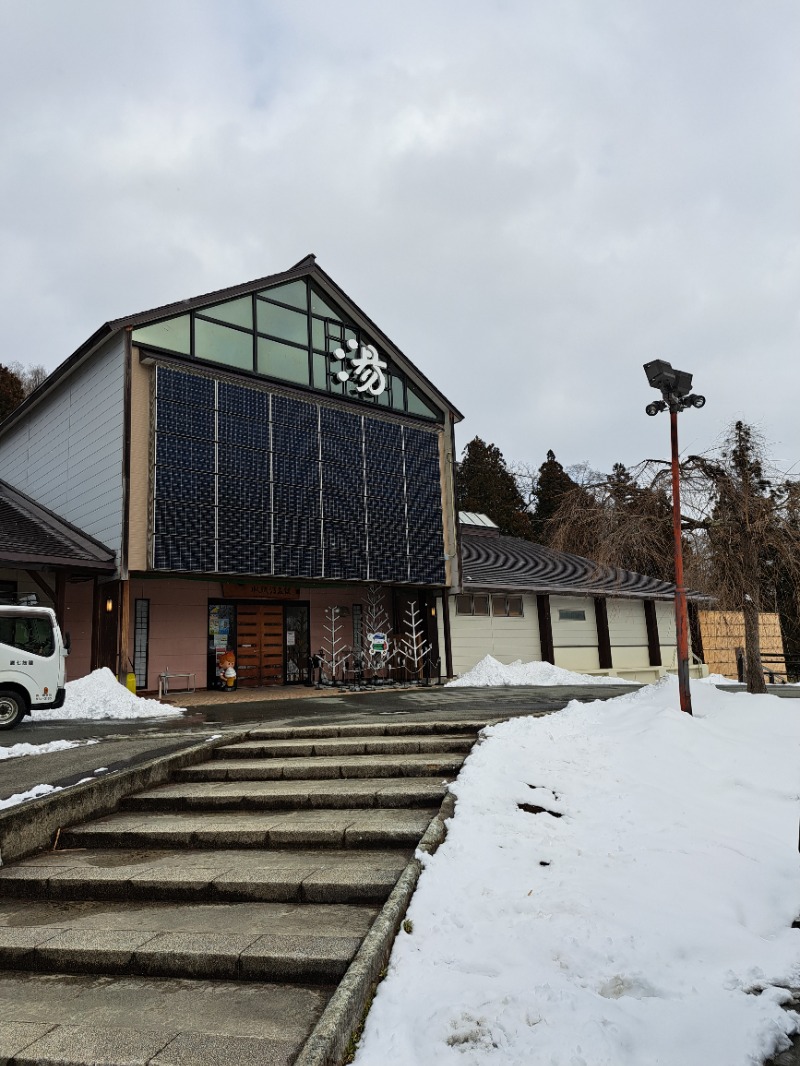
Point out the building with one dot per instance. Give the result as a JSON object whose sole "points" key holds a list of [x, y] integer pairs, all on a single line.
{"points": [[524, 601], [245, 464]]}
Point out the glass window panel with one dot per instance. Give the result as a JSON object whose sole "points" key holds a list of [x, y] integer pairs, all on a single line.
{"points": [[515, 607], [317, 333], [499, 606], [464, 604], [293, 293], [398, 401], [173, 334], [571, 615], [282, 361], [418, 406], [321, 371], [237, 312], [223, 345], [283, 323], [319, 307], [480, 604]]}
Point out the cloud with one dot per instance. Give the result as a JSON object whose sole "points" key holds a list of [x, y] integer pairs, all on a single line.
{"points": [[531, 199]]}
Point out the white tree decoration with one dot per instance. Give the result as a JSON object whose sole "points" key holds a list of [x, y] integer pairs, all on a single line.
{"points": [[376, 620], [335, 649], [414, 646]]}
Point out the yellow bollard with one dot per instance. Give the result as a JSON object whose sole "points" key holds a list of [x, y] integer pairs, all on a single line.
{"points": [[130, 683]]}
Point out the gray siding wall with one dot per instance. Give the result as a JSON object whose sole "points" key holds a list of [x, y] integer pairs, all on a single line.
{"points": [[67, 454]]}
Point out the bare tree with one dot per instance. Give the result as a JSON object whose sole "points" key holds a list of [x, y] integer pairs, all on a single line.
{"points": [[30, 376], [741, 529]]}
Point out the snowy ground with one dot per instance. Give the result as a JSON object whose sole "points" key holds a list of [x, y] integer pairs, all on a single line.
{"points": [[649, 924], [15, 751], [100, 695], [490, 672]]}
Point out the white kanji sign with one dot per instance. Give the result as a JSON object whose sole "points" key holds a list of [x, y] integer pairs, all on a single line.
{"points": [[366, 367]]}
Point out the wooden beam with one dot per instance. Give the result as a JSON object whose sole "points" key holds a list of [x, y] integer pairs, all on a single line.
{"points": [[37, 579], [653, 641], [124, 659], [61, 599], [545, 629], [603, 635]]}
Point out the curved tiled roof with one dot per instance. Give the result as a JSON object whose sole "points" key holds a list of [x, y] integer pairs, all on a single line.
{"points": [[511, 563]]}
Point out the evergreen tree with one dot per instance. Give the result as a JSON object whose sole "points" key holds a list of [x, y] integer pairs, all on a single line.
{"points": [[484, 484], [553, 484], [12, 392]]}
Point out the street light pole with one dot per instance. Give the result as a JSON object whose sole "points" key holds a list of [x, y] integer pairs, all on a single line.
{"points": [[675, 386], [681, 610]]}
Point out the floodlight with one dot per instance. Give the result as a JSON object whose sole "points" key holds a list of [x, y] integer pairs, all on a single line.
{"points": [[670, 382]]}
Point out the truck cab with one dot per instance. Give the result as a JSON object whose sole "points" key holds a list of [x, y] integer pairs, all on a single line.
{"points": [[32, 662]]}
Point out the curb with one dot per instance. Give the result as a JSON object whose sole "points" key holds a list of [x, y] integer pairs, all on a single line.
{"points": [[346, 1009], [30, 827]]}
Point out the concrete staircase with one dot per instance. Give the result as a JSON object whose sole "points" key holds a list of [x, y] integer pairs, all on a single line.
{"points": [[210, 919]]}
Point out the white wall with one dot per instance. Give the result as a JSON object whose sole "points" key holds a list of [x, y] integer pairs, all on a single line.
{"points": [[575, 642], [67, 452], [507, 639], [627, 629], [665, 615]]}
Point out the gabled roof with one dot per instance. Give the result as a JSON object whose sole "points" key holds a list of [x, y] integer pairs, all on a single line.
{"points": [[32, 535], [306, 267], [506, 563]]}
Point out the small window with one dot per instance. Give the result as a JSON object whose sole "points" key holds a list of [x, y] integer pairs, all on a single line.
{"points": [[463, 604], [515, 607], [571, 615], [499, 606], [480, 604]]}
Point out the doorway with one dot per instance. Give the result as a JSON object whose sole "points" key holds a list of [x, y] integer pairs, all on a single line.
{"points": [[259, 645]]}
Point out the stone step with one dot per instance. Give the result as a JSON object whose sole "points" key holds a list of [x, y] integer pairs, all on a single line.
{"points": [[242, 941], [341, 828], [321, 767], [131, 1021], [281, 795], [358, 745], [298, 876], [467, 726]]}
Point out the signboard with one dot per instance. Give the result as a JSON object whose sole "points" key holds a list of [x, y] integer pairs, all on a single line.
{"points": [[290, 635], [257, 591], [376, 643]]}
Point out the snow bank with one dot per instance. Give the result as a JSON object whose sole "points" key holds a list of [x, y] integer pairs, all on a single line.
{"points": [[100, 695], [717, 679], [490, 672], [634, 929], [17, 750]]}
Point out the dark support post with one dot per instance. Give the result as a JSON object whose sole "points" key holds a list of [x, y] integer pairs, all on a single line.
{"points": [[695, 631], [448, 644], [681, 618], [39, 581], [61, 599], [603, 635], [653, 639], [545, 629]]}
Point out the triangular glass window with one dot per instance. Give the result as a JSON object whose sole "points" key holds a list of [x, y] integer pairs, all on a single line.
{"points": [[418, 406], [320, 307], [173, 334]]}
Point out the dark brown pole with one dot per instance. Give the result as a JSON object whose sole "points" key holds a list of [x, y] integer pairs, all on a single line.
{"points": [[681, 617]]}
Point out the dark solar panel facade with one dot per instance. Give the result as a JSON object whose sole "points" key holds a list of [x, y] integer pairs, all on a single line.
{"points": [[252, 482]]}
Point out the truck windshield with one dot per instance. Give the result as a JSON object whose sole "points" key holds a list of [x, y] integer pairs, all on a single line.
{"points": [[32, 634]]}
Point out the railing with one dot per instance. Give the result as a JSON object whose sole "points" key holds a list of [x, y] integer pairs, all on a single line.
{"points": [[789, 673]]}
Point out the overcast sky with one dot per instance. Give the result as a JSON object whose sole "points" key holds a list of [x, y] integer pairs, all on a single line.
{"points": [[531, 198]]}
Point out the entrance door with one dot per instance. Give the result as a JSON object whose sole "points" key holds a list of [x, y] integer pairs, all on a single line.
{"points": [[259, 645]]}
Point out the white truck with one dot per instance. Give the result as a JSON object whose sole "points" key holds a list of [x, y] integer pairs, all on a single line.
{"points": [[32, 662]]}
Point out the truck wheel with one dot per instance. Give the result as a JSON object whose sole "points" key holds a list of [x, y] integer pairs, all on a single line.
{"points": [[12, 709]]}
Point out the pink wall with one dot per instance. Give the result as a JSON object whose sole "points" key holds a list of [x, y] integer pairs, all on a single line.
{"points": [[178, 625], [78, 603]]}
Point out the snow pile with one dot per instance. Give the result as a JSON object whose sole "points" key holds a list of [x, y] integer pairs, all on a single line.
{"points": [[32, 793], [100, 695], [717, 679], [636, 928], [490, 672], [17, 750]]}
